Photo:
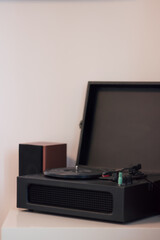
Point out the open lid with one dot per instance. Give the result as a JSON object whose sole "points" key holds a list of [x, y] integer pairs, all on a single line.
{"points": [[121, 126]]}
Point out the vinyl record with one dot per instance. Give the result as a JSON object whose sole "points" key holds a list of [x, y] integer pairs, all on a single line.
{"points": [[73, 173]]}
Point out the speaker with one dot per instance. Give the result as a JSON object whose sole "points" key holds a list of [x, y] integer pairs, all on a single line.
{"points": [[37, 157]]}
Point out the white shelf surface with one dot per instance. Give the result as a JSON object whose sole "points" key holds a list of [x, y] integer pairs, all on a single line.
{"points": [[22, 224]]}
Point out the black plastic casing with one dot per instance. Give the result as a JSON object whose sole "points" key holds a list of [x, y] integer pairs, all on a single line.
{"points": [[121, 126], [123, 204]]}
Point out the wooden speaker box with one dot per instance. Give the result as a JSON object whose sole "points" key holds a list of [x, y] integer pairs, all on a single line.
{"points": [[37, 157]]}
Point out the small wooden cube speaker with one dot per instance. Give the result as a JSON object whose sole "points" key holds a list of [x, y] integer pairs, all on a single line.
{"points": [[37, 157]]}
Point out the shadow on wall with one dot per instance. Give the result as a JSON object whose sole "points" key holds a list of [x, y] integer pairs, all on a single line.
{"points": [[8, 184], [70, 162]]}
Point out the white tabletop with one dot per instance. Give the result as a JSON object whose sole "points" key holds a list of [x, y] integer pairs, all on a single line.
{"points": [[22, 224]]}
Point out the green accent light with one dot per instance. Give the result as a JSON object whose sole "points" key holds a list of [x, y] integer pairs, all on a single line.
{"points": [[120, 179]]}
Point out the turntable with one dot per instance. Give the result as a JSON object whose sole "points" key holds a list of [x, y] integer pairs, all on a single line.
{"points": [[120, 128], [74, 173]]}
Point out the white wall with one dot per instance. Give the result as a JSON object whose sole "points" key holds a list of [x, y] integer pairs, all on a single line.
{"points": [[48, 52]]}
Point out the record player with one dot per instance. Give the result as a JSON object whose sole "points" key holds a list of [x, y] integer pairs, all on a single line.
{"points": [[120, 130]]}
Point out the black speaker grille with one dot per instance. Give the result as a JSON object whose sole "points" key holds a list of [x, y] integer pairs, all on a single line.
{"points": [[95, 201]]}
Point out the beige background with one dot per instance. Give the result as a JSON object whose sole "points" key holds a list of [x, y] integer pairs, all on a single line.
{"points": [[49, 50]]}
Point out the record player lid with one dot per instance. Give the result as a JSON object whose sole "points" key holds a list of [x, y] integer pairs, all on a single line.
{"points": [[121, 126]]}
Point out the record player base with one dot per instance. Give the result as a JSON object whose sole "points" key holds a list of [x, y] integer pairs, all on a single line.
{"points": [[90, 199]]}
